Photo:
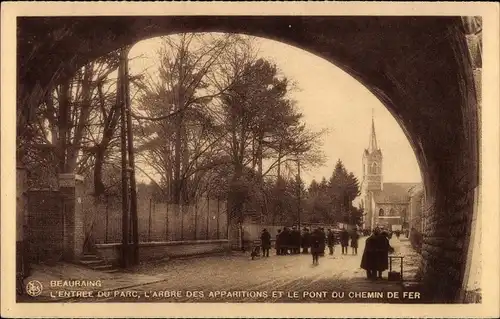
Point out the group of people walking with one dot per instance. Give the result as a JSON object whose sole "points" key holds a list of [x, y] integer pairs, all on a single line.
{"points": [[344, 241], [290, 241]]}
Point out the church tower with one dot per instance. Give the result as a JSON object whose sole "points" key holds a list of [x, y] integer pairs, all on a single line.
{"points": [[372, 164]]}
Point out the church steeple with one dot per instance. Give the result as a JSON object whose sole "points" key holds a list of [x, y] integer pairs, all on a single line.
{"points": [[372, 163], [372, 145]]}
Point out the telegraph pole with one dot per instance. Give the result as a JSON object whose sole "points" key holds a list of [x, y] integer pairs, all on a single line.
{"points": [[298, 192], [123, 148], [131, 163]]}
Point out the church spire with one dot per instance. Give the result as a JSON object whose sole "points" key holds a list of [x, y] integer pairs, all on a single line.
{"points": [[372, 146]]}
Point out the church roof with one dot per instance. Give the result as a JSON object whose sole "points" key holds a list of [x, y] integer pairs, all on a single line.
{"points": [[394, 193]]}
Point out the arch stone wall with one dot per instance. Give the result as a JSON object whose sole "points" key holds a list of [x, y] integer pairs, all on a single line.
{"points": [[419, 67]]}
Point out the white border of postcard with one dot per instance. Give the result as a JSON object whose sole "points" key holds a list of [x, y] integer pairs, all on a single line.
{"points": [[490, 163]]}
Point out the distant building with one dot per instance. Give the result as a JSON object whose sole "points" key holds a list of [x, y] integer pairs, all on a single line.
{"points": [[417, 200], [389, 205]]}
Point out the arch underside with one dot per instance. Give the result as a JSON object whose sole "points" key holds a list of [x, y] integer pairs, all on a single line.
{"points": [[417, 66]]}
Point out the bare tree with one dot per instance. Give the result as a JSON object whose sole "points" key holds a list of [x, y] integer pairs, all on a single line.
{"points": [[175, 114], [65, 126]]}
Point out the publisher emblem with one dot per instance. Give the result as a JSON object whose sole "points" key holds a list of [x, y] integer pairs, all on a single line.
{"points": [[34, 288]]}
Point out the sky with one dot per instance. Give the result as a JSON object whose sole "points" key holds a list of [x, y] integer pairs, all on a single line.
{"points": [[331, 99]]}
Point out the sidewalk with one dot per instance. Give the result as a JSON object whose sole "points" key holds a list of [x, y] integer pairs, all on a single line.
{"points": [[211, 273], [63, 277], [58, 278], [412, 259]]}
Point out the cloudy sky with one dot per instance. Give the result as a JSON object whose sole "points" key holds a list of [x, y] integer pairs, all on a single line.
{"points": [[329, 99]]}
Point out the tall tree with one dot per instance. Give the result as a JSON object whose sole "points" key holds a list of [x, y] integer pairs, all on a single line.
{"points": [[179, 135], [356, 216], [67, 125], [318, 202], [343, 188], [262, 124]]}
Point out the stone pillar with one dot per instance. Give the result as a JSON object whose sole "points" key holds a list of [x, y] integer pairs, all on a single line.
{"points": [[71, 189], [471, 285]]}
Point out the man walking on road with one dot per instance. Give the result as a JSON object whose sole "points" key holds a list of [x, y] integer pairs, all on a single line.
{"points": [[265, 240], [354, 241], [344, 240], [330, 241], [323, 241], [316, 245]]}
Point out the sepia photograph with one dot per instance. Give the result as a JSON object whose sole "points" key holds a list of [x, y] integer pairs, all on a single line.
{"points": [[215, 159]]}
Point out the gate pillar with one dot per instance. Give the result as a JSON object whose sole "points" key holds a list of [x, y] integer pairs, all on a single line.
{"points": [[71, 190]]}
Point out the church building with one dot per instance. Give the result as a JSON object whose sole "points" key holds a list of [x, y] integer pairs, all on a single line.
{"points": [[385, 205]]}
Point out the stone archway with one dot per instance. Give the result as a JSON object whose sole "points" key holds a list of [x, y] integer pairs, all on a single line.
{"points": [[419, 67]]}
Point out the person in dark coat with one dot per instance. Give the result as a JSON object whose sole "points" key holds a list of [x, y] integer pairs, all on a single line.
{"points": [[306, 241], [323, 241], [354, 241], [344, 240], [298, 238], [317, 241], [285, 243], [369, 259], [278, 242], [265, 242], [375, 255], [330, 240], [383, 249], [295, 237]]}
